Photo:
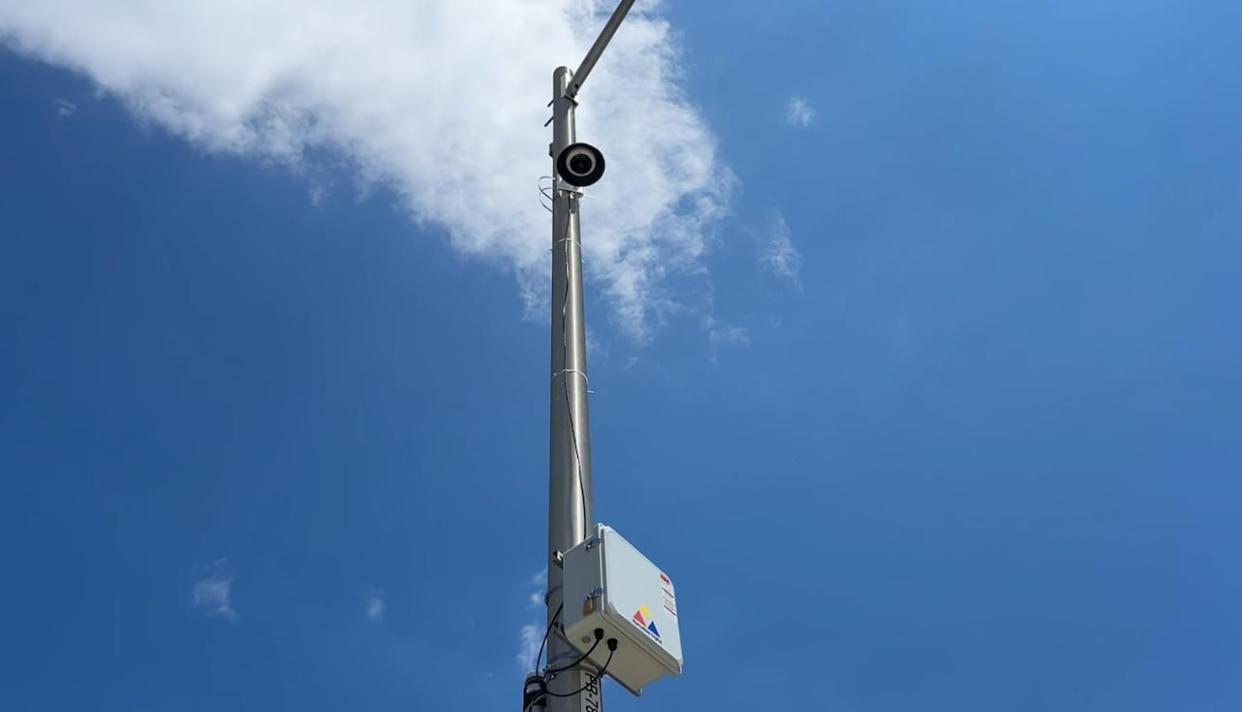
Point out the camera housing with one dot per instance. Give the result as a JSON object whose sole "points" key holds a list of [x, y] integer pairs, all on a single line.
{"points": [[580, 164]]}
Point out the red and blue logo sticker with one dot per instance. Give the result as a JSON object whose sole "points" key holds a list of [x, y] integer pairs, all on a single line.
{"points": [[645, 621]]}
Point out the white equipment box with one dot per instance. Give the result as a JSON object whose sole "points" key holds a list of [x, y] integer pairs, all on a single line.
{"points": [[610, 585]]}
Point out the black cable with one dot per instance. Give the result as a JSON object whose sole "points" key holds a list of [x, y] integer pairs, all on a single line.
{"points": [[548, 631], [569, 407], [599, 637], [611, 650], [574, 664]]}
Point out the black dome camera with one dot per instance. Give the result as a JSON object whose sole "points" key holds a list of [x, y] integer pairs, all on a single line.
{"points": [[580, 164]]}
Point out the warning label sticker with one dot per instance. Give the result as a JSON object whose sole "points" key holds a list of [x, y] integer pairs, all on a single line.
{"points": [[670, 598]]}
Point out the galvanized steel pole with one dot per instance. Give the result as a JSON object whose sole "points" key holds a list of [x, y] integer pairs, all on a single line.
{"points": [[570, 500], [571, 512]]}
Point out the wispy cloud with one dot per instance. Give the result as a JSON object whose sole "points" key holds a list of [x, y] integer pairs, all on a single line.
{"points": [[799, 113], [443, 101], [373, 603], [720, 334], [540, 582], [214, 593], [777, 253], [65, 108], [531, 635]]}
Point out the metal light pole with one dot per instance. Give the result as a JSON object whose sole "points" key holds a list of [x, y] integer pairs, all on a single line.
{"points": [[570, 501]]}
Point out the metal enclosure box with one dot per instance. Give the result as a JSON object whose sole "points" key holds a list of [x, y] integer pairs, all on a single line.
{"points": [[610, 585]]}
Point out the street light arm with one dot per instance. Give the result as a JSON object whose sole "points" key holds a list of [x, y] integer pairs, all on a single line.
{"points": [[592, 56]]}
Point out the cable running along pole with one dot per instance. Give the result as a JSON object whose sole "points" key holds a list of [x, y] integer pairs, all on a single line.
{"points": [[570, 502]]}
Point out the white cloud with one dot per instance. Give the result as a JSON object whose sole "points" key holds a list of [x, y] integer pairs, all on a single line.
{"points": [[720, 334], [778, 255], [540, 582], [373, 603], [442, 100], [799, 113], [65, 108], [214, 593], [531, 637]]}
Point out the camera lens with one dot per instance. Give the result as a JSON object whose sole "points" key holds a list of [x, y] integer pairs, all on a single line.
{"points": [[581, 164]]}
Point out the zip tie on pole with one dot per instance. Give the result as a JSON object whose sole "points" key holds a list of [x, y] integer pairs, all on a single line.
{"points": [[562, 372]]}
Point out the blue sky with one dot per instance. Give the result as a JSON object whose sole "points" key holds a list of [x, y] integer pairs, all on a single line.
{"points": [[935, 406]]}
